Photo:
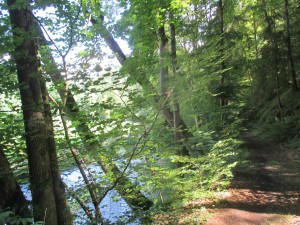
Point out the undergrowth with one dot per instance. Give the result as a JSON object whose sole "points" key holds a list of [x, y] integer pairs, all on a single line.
{"points": [[198, 177]]}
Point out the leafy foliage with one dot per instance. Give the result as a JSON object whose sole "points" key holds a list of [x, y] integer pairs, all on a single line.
{"points": [[9, 217], [232, 73]]}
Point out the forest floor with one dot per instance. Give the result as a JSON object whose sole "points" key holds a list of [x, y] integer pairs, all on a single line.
{"points": [[267, 193]]}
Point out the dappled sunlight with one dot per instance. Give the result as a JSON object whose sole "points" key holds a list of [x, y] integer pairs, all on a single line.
{"points": [[235, 216], [131, 111]]}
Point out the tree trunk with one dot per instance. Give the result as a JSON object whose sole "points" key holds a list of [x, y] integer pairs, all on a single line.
{"points": [[165, 92], [223, 101], [144, 82], [40, 150], [290, 58], [64, 215], [11, 195], [176, 112], [163, 60], [181, 133], [255, 32], [110, 41]]}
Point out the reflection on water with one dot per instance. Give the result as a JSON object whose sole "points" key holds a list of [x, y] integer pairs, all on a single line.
{"points": [[113, 212]]}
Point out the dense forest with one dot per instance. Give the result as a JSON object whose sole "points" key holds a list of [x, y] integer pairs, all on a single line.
{"points": [[148, 101]]}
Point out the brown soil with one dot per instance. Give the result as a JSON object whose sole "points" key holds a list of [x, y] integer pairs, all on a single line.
{"points": [[266, 194]]}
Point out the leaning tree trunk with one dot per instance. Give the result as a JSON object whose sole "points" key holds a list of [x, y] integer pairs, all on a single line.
{"points": [[11, 195], [36, 124], [129, 191]]}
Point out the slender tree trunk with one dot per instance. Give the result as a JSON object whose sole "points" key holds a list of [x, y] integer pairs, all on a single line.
{"points": [[11, 195], [255, 28], [176, 112], [165, 92], [223, 101], [290, 58], [47, 196], [90, 185]]}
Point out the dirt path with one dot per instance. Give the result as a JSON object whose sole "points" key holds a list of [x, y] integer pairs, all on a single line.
{"points": [[267, 194]]}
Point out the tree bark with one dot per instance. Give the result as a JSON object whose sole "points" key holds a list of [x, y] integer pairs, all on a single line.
{"points": [[11, 195], [40, 143], [64, 215]]}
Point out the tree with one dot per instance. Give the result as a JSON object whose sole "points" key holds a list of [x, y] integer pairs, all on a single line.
{"points": [[48, 195], [156, 17], [272, 53]]}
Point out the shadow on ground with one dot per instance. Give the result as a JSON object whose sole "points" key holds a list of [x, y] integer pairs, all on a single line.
{"points": [[270, 185]]}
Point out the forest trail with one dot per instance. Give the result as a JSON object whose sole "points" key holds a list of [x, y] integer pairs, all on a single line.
{"points": [[266, 194]]}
